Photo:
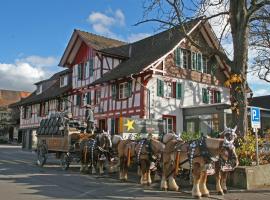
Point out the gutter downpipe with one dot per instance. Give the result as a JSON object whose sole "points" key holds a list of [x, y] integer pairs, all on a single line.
{"points": [[148, 95]]}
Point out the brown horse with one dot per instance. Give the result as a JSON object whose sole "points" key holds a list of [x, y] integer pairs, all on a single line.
{"points": [[126, 151], [95, 152], [148, 151], [198, 156]]}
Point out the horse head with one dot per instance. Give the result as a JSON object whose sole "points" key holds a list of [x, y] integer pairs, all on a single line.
{"points": [[104, 140], [227, 152]]}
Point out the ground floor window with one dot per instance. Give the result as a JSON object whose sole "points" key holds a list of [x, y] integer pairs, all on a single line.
{"points": [[169, 123]]}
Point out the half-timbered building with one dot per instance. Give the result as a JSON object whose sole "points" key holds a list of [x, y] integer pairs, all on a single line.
{"points": [[161, 77]]}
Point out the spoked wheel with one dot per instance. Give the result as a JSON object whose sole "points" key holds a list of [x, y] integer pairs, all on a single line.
{"points": [[65, 161], [42, 155]]}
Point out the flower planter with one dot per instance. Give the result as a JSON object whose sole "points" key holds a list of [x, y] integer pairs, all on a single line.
{"points": [[250, 177]]}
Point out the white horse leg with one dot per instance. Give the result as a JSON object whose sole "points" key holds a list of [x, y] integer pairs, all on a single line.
{"points": [[149, 180], [196, 180], [202, 184], [163, 184], [172, 183]]}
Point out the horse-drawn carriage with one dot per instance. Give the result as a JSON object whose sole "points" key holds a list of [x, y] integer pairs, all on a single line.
{"points": [[60, 135]]}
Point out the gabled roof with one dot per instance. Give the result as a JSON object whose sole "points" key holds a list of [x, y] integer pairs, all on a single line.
{"points": [[97, 42], [51, 92], [261, 101], [144, 52]]}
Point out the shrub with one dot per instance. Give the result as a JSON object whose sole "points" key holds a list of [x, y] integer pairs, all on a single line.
{"points": [[188, 136], [246, 150]]}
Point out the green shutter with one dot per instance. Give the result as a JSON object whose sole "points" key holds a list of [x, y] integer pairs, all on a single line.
{"points": [[79, 72], [78, 100], [199, 61], [218, 97], [160, 88], [114, 91], [112, 126], [88, 98], [178, 90], [91, 66], [129, 88], [205, 95]]}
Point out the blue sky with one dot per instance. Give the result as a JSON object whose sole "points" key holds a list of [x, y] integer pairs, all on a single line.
{"points": [[34, 34]]}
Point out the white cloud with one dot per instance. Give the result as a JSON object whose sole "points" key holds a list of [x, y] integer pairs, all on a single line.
{"points": [[137, 36], [24, 72], [39, 61], [102, 23]]}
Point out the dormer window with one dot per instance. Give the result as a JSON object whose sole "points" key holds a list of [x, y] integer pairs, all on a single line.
{"points": [[63, 80], [39, 89]]}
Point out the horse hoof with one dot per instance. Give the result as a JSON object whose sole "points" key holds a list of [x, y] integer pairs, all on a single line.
{"points": [[197, 197], [225, 191], [205, 195], [220, 193], [164, 189]]}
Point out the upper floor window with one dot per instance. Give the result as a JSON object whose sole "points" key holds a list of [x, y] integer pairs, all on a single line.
{"points": [[124, 90], [182, 58], [97, 96], [211, 96], [169, 89], [63, 80], [39, 89], [80, 71], [78, 100]]}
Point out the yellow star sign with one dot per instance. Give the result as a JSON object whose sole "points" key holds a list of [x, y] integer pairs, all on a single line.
{"points": [[129, 125]]}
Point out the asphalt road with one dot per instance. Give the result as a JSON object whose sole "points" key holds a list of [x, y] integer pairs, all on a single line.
{"points": [[20, 178]]}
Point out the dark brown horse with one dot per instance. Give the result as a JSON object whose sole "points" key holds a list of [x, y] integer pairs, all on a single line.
{"points": [[95, 152]]}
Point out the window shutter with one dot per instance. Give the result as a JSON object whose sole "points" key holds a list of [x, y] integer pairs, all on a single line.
{"points": [[91, 66], [114, 93], [160, 88], [199, 61], [174, 90], [205, 96], [78, 99], [129, 88], [218, 97], [86, 70], [88, 98], [112, 126], [80, 72], [178, 90]]}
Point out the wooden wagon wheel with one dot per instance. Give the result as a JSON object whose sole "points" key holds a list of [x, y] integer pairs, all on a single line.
{"points": [[42, 154], [65, 161]]}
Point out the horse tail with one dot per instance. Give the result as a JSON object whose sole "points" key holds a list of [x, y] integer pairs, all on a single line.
{"points": [[177, 159], [128, 157]]}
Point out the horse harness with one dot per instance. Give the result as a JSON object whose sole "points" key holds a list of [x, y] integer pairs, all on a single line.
{"points": [[149, 149]]}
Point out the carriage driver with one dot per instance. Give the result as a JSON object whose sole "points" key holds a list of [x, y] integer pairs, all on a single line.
{"points": [[89, 118]]}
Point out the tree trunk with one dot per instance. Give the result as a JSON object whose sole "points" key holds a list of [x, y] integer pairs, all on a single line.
{"points": [[239, 29]]}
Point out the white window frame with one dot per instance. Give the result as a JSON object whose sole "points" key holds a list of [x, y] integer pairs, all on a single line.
{"points": [[168, 90], [122, 90], [166, 125], [63, 80]]}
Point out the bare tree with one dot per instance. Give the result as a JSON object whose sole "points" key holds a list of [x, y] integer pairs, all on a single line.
{"points": [[260, 42], [238, 15]]}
